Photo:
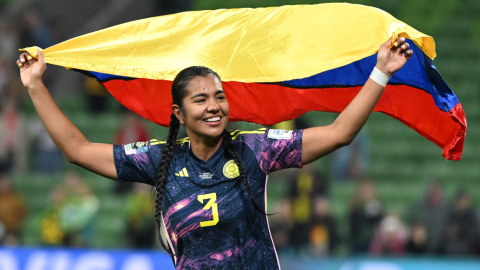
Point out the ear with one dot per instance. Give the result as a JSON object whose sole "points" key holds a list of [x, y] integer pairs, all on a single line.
{"points": [[178, 113]]}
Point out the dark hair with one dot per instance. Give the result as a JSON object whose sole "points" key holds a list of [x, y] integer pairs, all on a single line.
{"points": [[179, 92]]}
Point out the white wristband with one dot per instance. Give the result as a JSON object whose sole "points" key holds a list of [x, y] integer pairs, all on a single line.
{"points": [[379, 77]]}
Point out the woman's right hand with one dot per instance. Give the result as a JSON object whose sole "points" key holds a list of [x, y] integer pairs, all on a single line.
{"points": [[31, 70]]}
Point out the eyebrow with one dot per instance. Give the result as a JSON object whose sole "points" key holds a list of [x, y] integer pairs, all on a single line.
{"points": [[204, 95]]}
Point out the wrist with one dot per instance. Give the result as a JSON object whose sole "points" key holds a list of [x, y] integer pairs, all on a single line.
{"points": [[34, 86], [383, 70], [380, 76]]}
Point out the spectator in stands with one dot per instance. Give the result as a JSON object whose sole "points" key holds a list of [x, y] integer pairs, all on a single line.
{"points": [[96, 95], [70, 219], [132, 130], [9, 41], [12, 212], [307, 185], [461, 230], [10, 85], [351, 162], [6, 75], [12, 137], [324, 237], [36, 30], [430, 210], [365, 215], [390, 238], [47, 159], [140, 217], [281, 224], [417, 244]]}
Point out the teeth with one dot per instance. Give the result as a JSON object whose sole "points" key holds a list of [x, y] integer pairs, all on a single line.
{"points": [[213, 119]]}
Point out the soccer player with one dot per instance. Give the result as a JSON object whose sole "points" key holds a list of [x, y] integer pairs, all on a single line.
{"points": [[211, 186]]}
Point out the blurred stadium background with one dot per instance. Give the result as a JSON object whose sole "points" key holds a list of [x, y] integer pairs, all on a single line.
{"points": [[389, 201]]}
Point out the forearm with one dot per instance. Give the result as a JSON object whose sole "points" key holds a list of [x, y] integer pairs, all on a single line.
{"points": [[351, 120], [64, 134], [319, 141]]}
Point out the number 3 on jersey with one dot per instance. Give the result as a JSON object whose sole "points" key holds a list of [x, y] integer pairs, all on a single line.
{"points": [[212, 197]]}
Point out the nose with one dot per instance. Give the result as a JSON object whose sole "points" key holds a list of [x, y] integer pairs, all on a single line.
{"points": [[213, 106]]}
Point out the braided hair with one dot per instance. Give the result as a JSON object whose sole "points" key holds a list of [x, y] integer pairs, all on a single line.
{"points": [[230, 147], [179, 92]]}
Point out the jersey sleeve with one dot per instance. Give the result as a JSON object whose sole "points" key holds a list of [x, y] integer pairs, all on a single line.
{"points": [[137, 162], [276, 149]]}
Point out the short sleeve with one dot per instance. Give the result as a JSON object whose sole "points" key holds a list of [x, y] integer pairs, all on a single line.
{"points": [[276, 149], [137, 162]]}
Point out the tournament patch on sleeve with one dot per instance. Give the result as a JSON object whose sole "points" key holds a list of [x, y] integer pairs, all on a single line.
{"points": [[136, 148], [280, 134]]}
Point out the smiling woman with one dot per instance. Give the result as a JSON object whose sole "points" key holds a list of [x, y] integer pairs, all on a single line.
{"points": [[211, 186]]}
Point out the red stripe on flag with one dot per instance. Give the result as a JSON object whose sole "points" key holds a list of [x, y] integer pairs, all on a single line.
{"points": [[268, 104]]}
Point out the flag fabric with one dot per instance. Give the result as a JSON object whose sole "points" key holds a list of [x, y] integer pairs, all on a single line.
{"points": [[276, 64]]}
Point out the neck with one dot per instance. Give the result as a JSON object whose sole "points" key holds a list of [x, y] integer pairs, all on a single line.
{"points": [[203, 147]]}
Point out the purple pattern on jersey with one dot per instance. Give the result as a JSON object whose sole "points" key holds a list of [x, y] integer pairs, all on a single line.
{"points": [[276, 154], [240, 239]]}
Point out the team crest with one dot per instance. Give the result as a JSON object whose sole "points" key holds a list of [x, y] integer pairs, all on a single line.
{"points": [[230, 169]]}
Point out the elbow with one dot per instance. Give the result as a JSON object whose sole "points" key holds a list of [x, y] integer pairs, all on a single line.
{"points": [[71, 158], [344, 141], [74, 154]]}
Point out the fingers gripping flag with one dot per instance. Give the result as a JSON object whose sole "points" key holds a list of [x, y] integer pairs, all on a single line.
{"points": [[275, 63]]}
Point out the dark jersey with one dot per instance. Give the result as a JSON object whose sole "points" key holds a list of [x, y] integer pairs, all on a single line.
{"points": [[210, 221]]}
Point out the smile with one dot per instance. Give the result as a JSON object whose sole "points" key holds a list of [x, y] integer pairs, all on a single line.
{"points": [[212, 119]]}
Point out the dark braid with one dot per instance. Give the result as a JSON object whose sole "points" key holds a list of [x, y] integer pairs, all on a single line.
{"points": [[167, 154], [230, 147]]}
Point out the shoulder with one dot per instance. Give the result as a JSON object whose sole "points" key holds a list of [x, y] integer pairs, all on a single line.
{"points": [[159, 144], [153, 145], [240, 135], [266, 134]]}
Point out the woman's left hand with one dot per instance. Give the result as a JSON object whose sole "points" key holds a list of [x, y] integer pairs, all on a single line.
{"points": [[391, 60]]}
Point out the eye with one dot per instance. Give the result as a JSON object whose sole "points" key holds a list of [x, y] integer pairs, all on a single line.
{"points": [[221, 97], [200, 100]]}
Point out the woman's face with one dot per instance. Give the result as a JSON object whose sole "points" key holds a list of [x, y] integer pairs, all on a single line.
{"points": [[205, 108]]}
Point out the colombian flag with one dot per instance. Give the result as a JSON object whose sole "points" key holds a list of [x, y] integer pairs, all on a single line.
{"points": [[276, 64]]}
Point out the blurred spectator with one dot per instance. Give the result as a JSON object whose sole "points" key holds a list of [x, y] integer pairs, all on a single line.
{"points": [[96, 95], [6, 75], [12, 137], [9, 41], [140, 217], [47, 159], [431, 210], [460, 232], [324, 236], [281, 224], [12, 213], [131, 130], [417, 244], [11, 86], [351, 162], [390, 238], [69, 221], [306, 186], [36, 30], [365, 215]]}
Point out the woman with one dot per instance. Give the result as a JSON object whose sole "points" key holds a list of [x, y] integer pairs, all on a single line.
{"points": [[211, 185]]}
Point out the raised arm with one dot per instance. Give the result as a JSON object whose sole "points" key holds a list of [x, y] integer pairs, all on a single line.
{"points": [[319, 141], [95, 157]]}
